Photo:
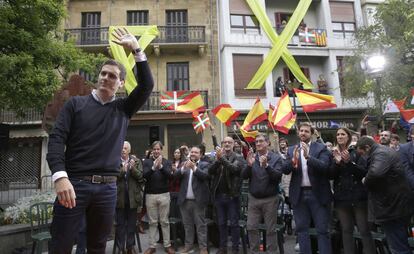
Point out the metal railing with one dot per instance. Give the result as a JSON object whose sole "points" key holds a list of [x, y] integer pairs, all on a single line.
{"points": [[30, 115], [154, 101], [168, 34]]}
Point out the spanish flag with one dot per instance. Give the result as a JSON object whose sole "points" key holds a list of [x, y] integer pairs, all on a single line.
{"points": [[249, 136], [271, 116], [190, 103], [256, 115], [314, 101], [284, 116], [225, 113]]}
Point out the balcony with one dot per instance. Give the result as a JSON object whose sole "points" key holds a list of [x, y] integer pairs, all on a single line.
{"points": [[154, 101], [31, 116], [168, 35], [307, 37]]}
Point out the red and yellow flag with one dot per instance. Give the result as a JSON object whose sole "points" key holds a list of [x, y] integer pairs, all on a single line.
{"points": [[284, 117], [314, 101], [201, 121], [271, 116], [256, 115], [192, 102], [225, 113], [249, 136]]}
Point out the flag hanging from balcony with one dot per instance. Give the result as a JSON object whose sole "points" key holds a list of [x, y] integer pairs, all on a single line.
{"points": [[192, 102], [225, 113], [249, 136], [314, 101], [256, 115], [320, 37], [307, 35], [170, 100], [284, 117], [200, 121]]}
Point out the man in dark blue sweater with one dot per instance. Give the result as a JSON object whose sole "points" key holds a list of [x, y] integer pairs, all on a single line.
{"points": [[85, 151]]}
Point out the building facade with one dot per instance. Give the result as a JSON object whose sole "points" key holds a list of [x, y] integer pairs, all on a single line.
{"points": [[244, 45], [182, 57]]}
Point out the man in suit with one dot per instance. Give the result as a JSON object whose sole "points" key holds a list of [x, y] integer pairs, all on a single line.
{"points": [[193, 199], [264, 173], [129, 199], [310, 192], [157, 171], [407, 157]]}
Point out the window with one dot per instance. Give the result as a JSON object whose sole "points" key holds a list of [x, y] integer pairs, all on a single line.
{"points": [[177, 25], [247, 24], [178, 77], [343, 19], [291, 81], [91, 23], [244, 68], [137, 18]]}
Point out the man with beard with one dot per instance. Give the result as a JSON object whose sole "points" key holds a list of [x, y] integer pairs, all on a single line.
{"points": [[309, 191], [389, 195], [264, 172], [84, 152], [193, 199], [226, 191], [385, 138]]}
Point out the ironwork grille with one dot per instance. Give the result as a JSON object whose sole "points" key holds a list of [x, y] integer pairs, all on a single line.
{"points": [[20, 169]]}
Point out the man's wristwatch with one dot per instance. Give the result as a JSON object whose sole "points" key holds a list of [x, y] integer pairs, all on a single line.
{"points": [[136, 51]]}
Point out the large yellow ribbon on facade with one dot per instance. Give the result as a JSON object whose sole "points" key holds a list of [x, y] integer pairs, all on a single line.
{"points": [[279, 45], [147, 34]]}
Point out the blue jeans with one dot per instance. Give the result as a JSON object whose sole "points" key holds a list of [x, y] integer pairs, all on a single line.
{"points": [[397, 236], [97, 202], [307, 209], [81, 239], [228, 209]]}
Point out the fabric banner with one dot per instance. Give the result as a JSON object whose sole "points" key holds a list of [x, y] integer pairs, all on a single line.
{"points": [[279, 45]]}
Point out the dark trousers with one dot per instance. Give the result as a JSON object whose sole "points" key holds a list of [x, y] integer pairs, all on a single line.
{"points": [[397, 236], [228, 210], [126, 220], [97, 202], [81, 240], [307, 209], [346, 214]]}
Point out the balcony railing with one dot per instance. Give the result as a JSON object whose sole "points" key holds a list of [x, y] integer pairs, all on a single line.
{"points": [[30, 115], [154, 101], [168, 34], [181, 34], [314, 37]]}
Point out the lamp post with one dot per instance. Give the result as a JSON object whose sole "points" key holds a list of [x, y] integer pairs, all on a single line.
{"points": [[374, 67]]}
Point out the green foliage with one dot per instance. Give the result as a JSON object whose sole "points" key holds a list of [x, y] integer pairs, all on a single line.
{"points": [[393, 36], [34, 59]]}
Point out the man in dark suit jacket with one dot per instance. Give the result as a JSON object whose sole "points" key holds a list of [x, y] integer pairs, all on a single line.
{"points": [[129, 198], [193, 199], [407, 158], [310, 192]]}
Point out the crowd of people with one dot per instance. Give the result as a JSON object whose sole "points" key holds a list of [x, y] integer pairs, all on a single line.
{"points": [[98, 182]]}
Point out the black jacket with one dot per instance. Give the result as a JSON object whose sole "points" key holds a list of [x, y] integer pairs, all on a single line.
{"points": [[348, 187], [264, 182], [157, 180], [389, 195], [228, 170]]}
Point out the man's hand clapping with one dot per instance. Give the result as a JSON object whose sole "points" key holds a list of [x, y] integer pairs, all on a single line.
{"points": [[263, 161], [158, 162], [250, 158]]}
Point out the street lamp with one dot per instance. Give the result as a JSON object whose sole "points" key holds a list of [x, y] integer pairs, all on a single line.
{"points": [[374, 67]]}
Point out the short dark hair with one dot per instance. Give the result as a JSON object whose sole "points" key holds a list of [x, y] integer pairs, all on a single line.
{"points": [[156, 143], [365, 141], [395, 136], [308, 124], [121, 67], [283, 140]]}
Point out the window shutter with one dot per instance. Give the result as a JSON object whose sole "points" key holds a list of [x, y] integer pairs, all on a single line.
{"points": [[240, 7], [342, 12], [244, 68]]}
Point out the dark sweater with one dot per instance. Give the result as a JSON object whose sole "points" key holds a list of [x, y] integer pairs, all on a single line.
{"points": [[157, 180], [93, 133], [264, 182]]}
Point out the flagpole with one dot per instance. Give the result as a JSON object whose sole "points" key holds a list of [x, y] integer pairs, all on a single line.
{"points": [[241, 141], [276, 138], [307, 116]]}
